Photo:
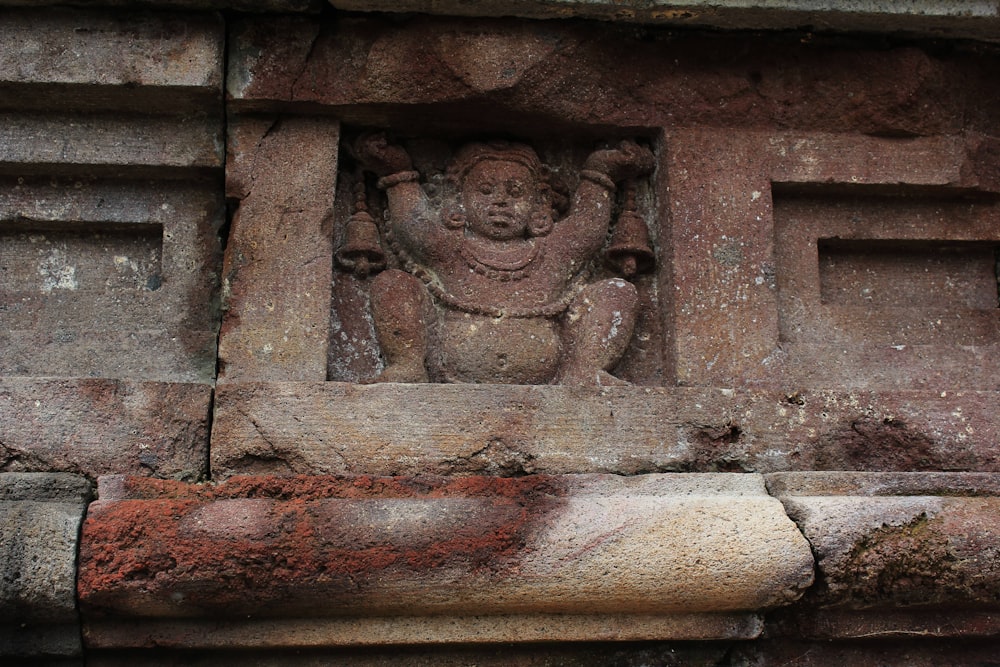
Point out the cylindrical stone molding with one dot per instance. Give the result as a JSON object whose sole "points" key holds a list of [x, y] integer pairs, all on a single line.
{"points": [[898, 554], [435, 559], [40, 515]]}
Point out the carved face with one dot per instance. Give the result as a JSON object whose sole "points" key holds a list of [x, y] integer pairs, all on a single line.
{"points": [[499, 198]]}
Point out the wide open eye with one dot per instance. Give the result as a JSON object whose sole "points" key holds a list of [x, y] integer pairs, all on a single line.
{"points": [[486, 188], [515, 189]]}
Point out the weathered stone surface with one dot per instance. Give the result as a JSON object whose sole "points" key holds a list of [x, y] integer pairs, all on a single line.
{"points": [[768, 306], [109, 278], [979, 20], [289, 428], [40, 516], [109, 145], [72, 59], [490, 269], [279, 261], [97, 427], [674, 556], [759, 303], [262, 6], [521, 76], [897, 547], [677, 654], [910, 651], [438, 629]]}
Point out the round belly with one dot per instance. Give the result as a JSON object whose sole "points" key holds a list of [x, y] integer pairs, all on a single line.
{"points": [[475, 348]]}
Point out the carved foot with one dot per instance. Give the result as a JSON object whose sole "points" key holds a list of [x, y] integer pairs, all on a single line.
{"points": [[401, 373]]}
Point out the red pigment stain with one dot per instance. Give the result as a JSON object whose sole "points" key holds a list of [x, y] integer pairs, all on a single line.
{"points": [[179, 549]]}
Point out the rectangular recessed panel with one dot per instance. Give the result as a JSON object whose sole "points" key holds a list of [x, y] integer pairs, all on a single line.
{"points": [[883, 273], [98, 259]]}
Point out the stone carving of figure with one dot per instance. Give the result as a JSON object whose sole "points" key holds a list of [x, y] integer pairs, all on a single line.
{"points": [[495, 288]]}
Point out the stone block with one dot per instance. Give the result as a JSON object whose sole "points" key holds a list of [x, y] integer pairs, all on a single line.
{"points": [[661, 654], [937, 17], [249, 6], [897, 554], [98, 426], [555, 77], [279, 260], [59, 58], [910, 651], [109, 278], [316, 561], [110, 145], [812, 295], [40, 516], [338, 428]]}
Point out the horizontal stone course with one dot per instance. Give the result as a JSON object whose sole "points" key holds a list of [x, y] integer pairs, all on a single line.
{"points": [[100, 426], [109, 145], [935, 17], [72, 47], [336, 428], [896, 554], [458, 75]]}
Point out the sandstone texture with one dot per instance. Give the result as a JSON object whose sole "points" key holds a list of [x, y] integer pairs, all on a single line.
{"points": [[110, 278], [110, 153], [935, 17], [787, 455], [337, 428], [40, 516], [624, 554], [533, 78], [277, 272], [59, 58], [97, 426], [905, 550]]}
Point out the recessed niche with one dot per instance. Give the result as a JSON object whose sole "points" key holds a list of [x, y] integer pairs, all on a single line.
{"points": [[887, 270], [888, 273]]}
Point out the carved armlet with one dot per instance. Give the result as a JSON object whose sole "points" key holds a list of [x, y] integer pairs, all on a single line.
{"points": [[597, 177], [387, 182]]}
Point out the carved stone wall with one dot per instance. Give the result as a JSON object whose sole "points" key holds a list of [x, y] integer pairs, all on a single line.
{"points": [[639, 335]]}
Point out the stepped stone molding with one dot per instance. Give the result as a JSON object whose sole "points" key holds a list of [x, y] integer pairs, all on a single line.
{"points": [[396, 560], [111, 156], [815, 374], [60, 58], [40, 517]]}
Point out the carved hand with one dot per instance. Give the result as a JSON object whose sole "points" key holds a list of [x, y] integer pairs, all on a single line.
{"points": [[627, 160], [379, 156]]}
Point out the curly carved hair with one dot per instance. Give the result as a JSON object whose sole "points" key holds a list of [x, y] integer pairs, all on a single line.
{"points": [[472, 154]]}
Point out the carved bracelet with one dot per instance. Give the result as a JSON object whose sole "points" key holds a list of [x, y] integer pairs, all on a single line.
{"points": [[597, 177], [395, 179]]}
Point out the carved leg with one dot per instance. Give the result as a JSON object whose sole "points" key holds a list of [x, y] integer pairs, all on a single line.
{"points": [[400, 307], [598, 327]]}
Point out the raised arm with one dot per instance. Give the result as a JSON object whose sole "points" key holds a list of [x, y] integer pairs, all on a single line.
{"points": [[411, 221], [586, 224]]}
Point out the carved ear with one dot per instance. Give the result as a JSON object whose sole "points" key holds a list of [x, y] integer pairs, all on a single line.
{"points": [[453, 217], [541, 223]]}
